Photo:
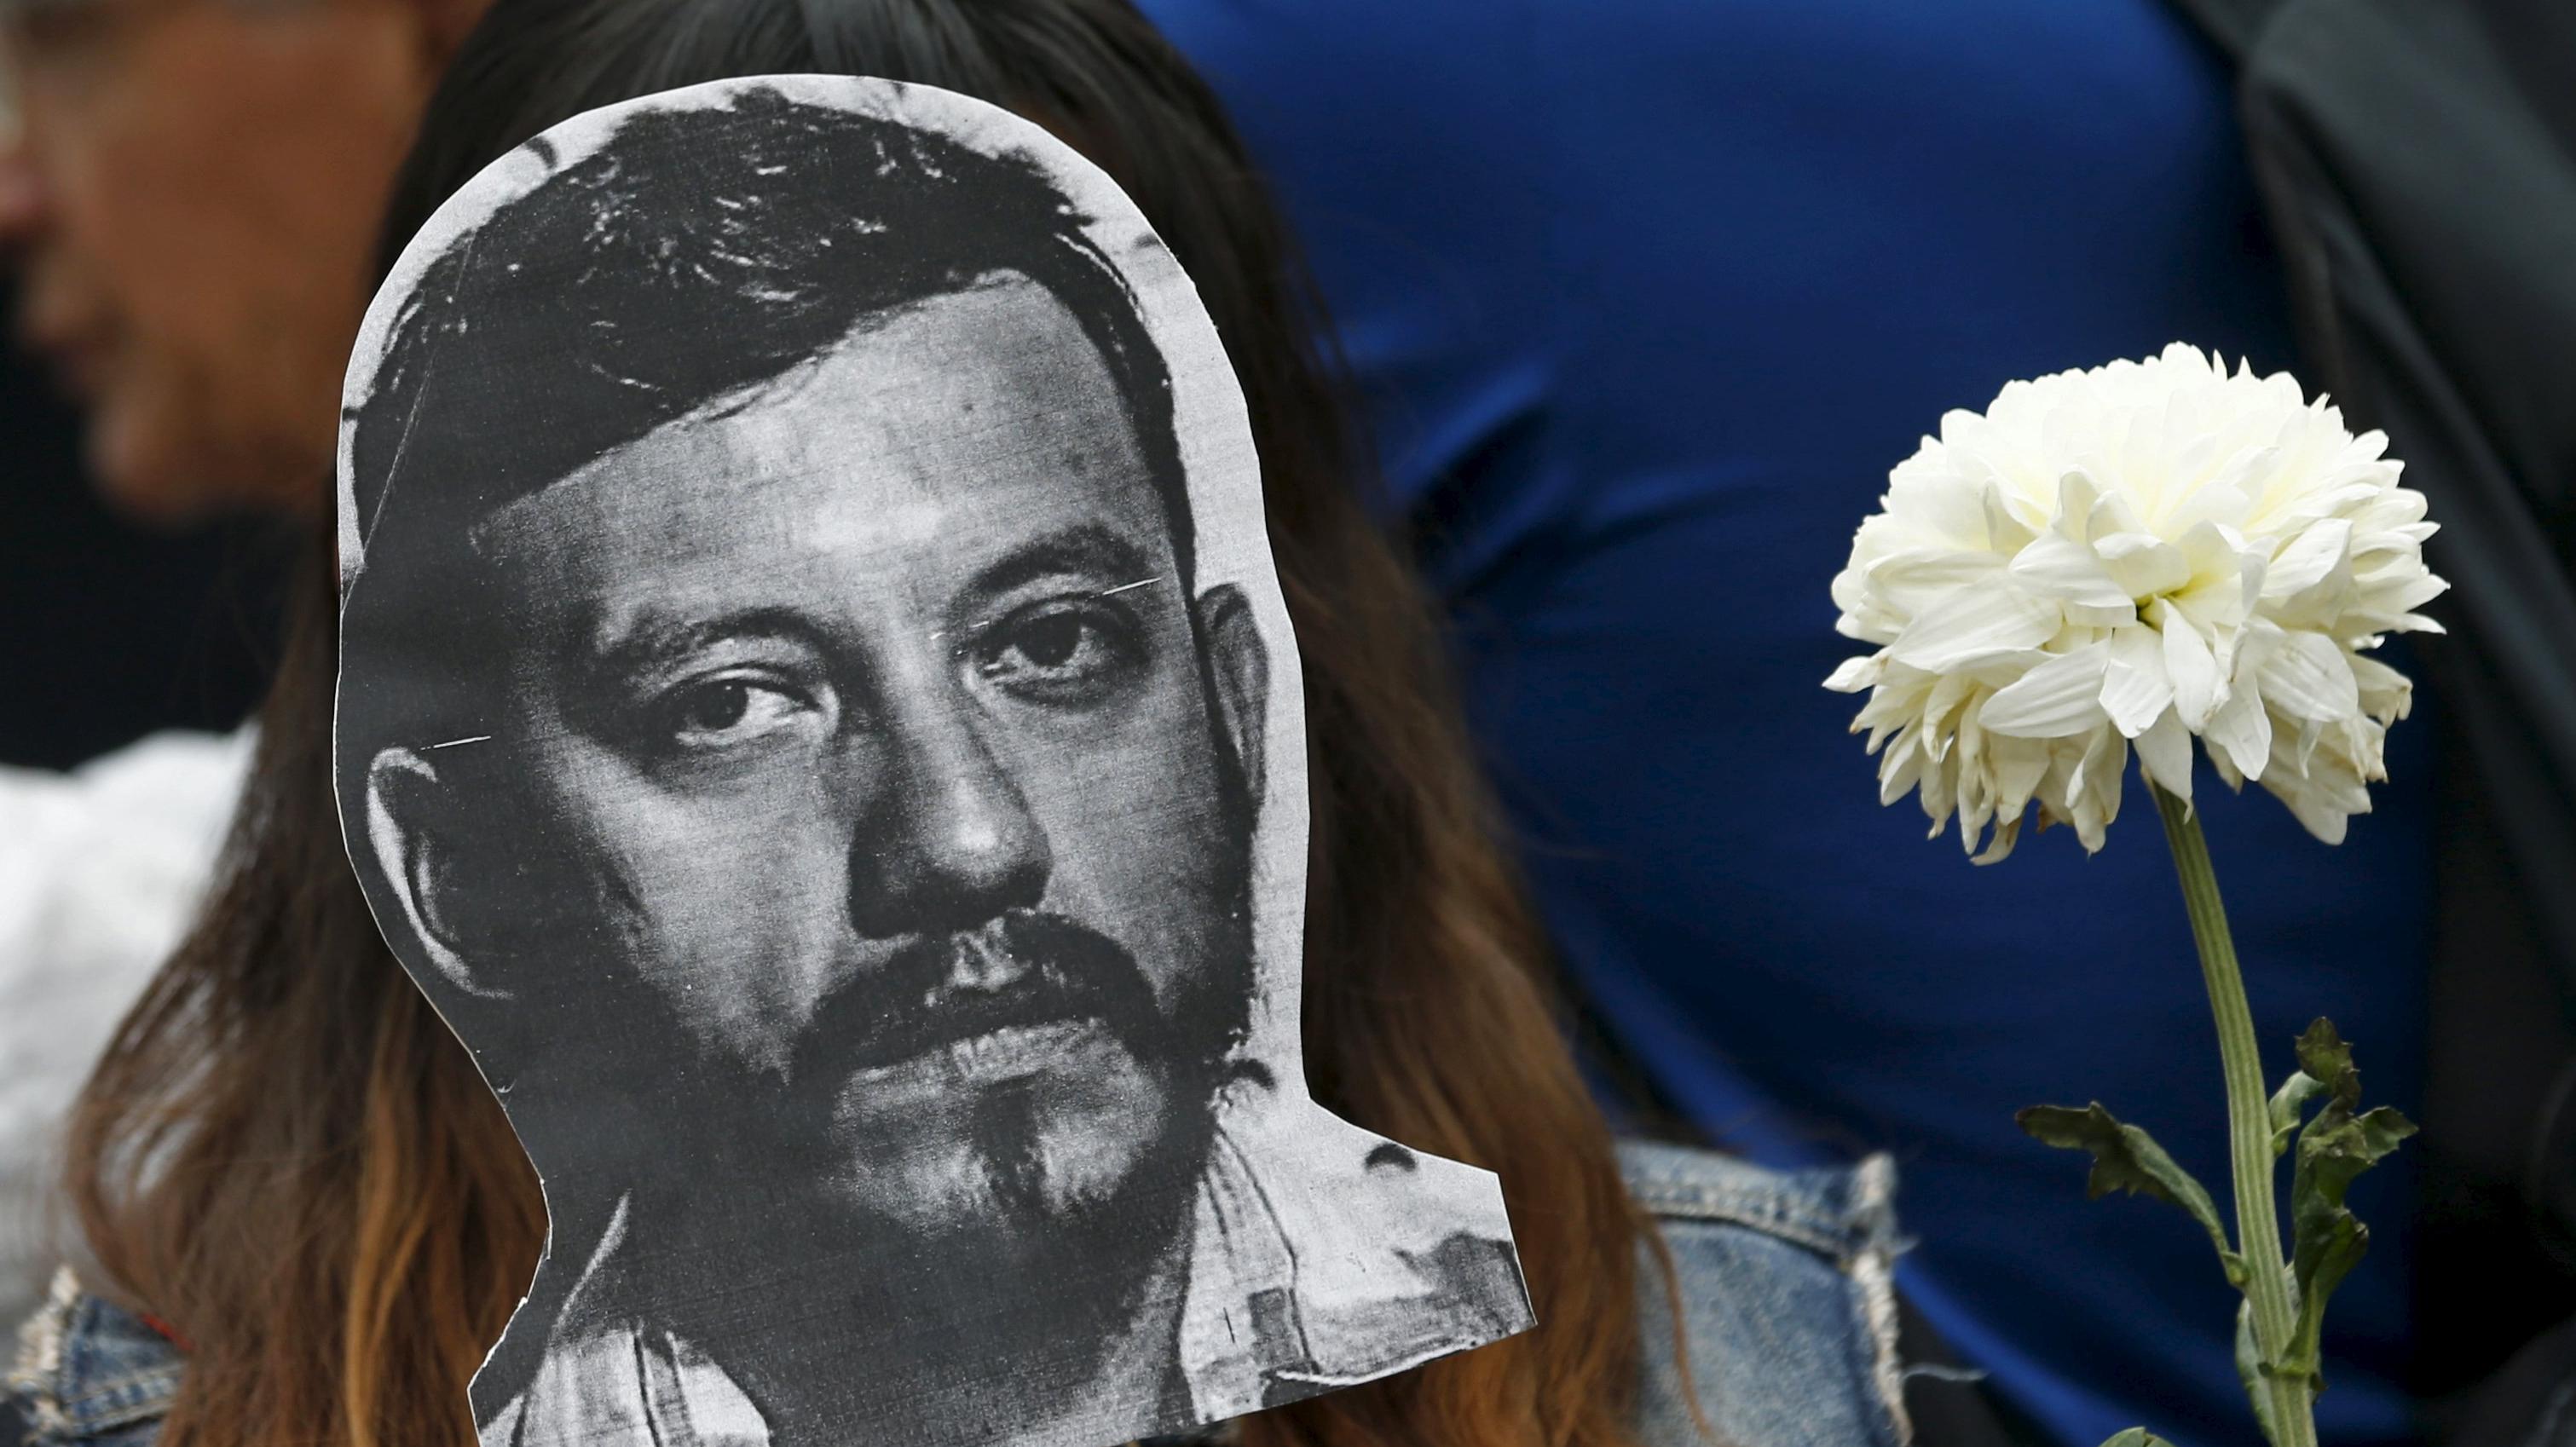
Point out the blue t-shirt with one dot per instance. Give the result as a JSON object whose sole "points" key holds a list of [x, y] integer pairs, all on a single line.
{"points": [[1646, 296]]}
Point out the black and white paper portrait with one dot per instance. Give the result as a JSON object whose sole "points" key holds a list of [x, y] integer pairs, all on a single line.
{"points": [[818, 719]]}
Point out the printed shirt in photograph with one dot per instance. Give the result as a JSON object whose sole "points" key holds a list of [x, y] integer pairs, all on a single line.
{"points": [[1284, 1298]]}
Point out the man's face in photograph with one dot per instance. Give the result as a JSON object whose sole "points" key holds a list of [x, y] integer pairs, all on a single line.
{"points": [[807, 640], [891, 772]]}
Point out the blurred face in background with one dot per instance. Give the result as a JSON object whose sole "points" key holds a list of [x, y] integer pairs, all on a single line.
{"points": [[190, 191]]}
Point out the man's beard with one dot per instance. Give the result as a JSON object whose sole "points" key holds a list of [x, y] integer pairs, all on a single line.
{"points": [[1039, 1257], [1000, 1072]]}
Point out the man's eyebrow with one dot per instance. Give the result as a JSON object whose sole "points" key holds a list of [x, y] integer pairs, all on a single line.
{"points": [[654, 640], [1083, 548]]}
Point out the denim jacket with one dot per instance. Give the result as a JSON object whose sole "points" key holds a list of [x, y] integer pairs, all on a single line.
{"points": [[1783, 1280]]}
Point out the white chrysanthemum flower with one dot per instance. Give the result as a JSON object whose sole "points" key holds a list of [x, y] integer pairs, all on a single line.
{"points": [[2141, 553]]}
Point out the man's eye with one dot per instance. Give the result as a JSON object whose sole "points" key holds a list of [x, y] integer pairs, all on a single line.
{"points": [[724, 711], [1059, 652]]}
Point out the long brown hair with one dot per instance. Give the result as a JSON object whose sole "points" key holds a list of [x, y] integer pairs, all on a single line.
{"points": [[285, 1154]]}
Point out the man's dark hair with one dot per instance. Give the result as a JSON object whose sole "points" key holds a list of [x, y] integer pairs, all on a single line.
{"points": [[695, 255]]}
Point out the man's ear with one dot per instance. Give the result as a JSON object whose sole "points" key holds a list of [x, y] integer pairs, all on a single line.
{"points": [[409, 821], [1239, 668]]}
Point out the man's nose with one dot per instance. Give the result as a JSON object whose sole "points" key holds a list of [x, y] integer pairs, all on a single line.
{"points": [[953, 843]]}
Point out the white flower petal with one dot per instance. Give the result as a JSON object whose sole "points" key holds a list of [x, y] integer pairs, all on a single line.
{"points": [[2114, 517], [2076, 494], [1969, 624], [2310, 581], [2190, 665], [2058, 698], [2220, 504], [2005, 533], [2142, 565], [1902, 770], [2386, 694], [2406, 597], [2006, 835], [2241, 731], [2210, 552], [2308, 677], [2226, 771], [2325, 795], [2093, 789], [2057, 567], [2018, 766], [1855, 674], [2164, 752], [2136, 689], [1908, 582], [2223, 601]]}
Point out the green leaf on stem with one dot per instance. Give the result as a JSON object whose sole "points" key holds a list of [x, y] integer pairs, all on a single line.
{"points": [[2289, 1104], [2336, 1146], [2327, 1254], [2126, 1158], [2326, 1059], [2251, 1371], [2135, 1437]]}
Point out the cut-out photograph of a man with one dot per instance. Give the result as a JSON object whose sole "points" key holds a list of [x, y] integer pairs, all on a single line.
{"points": [[817, 718]]}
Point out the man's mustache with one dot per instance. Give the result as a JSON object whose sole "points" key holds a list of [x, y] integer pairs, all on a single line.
{"points": [[1022, 968]]}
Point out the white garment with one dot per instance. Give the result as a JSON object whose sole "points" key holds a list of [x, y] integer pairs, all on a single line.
{"points": [[100, 869]]}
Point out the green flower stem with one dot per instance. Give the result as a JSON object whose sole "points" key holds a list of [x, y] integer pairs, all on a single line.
{"points": [[2249, 1125]]}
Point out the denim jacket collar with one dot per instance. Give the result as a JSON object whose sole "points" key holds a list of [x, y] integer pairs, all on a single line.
{"points": [[89, 1370], [1842, 1214]]}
